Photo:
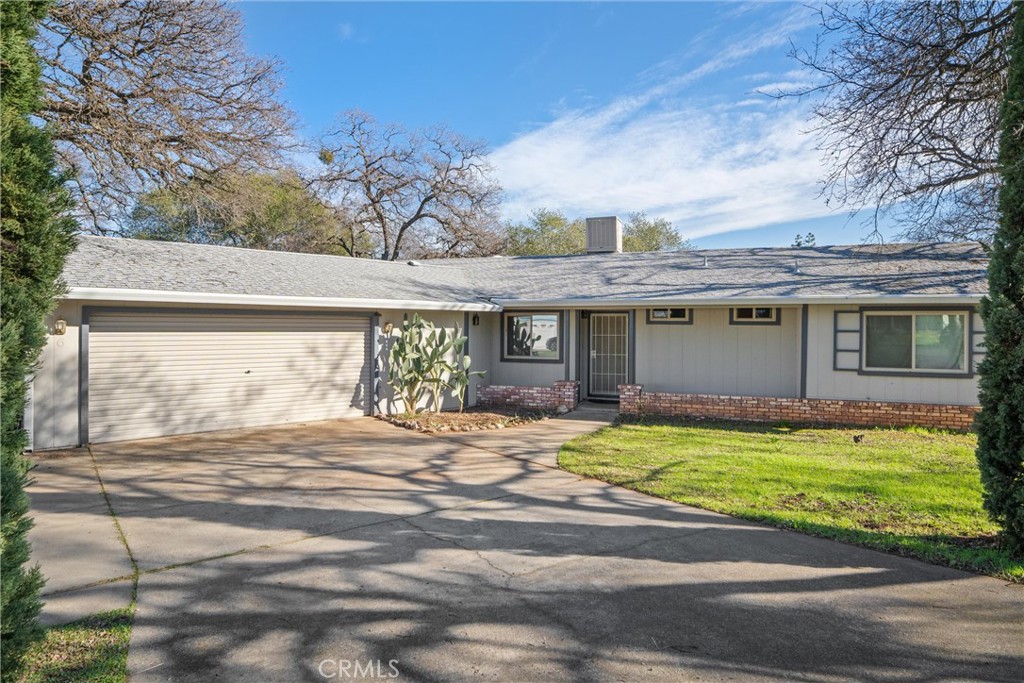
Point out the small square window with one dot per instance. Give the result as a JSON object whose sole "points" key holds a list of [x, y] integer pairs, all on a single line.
{"points": [[754, 315], [669, 315]]}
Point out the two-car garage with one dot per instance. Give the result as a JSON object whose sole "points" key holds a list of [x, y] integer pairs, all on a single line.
{"points": [[156, 338], [152, 372]]}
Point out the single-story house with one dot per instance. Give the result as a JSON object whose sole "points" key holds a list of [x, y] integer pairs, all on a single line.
{"points": [[158, 338]]}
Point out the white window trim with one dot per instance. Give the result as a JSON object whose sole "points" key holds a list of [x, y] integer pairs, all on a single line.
{"points": [[913, 370]]}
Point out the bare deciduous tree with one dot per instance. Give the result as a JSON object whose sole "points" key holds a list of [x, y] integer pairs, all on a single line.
{"points": [[908, 115], [143, 94], [423, 193]]}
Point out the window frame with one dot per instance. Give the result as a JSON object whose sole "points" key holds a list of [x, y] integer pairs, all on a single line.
{"points": [[560, 324], [776, 318], [968, 333], [651, 320]]}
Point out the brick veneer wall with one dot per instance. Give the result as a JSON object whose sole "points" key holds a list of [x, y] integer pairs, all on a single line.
{"points": [[634, 400], [563, 394]]}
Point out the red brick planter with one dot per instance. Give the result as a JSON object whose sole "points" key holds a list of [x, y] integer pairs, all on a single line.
{"points": [[633, 400], [563, 396]]}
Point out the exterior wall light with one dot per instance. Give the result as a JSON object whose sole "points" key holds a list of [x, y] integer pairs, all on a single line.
{"points": [[60, 326], [476, 319]]}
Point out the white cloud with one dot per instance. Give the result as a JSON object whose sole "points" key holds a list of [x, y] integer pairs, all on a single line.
{"points": [[346, 31], [759, 101], [708, 171], [708, 167], [779, 87]]}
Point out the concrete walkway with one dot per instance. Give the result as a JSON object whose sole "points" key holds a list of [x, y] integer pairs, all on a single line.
{"points": [[300, 553]]}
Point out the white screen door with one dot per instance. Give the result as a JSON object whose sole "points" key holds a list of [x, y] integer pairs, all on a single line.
{"points": [[609, 353]]}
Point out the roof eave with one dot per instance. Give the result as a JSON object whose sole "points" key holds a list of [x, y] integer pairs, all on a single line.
{"points": [[863, 299], [223, 299]]}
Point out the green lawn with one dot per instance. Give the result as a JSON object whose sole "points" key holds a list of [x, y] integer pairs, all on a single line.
{"points": [[908, 491], [94, 649]]}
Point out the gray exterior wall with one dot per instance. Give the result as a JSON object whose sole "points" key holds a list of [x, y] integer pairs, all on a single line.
{"points": [[527, 373], [714, 357], [54, 405], [710, 356], [482, 351], [825, 381]]}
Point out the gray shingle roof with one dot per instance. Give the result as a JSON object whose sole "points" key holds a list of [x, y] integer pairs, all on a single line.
{"points": [[896, 269], [944, 269], [105, 262]]}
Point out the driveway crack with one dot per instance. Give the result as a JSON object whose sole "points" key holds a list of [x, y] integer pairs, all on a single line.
{"points": [[451, 541], [120, 531]]}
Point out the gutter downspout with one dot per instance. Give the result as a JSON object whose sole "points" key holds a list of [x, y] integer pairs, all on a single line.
{"points": [[375, 369], [804, 311]]}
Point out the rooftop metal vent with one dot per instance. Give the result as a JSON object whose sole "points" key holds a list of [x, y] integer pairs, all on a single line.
{"points": [[604, 235]]}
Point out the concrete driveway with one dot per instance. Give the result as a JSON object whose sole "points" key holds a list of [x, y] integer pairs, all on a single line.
{"points": [[313, 552]]}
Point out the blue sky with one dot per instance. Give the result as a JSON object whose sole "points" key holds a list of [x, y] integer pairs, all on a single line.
{"points": [[590, 108]]}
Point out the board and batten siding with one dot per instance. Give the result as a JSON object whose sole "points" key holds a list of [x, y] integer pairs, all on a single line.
{"points": [[164, 373], [712, 356], [824, 380]]}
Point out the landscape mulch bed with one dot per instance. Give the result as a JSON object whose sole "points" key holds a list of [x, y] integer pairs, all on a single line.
{"points": [[470, 420]]}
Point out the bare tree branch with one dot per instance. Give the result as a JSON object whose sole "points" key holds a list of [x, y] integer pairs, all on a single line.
{"points": [[908, 110], [425, 193], [143, 94]]}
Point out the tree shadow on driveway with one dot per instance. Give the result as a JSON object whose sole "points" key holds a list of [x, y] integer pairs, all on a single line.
{"points": [[267, 553]]}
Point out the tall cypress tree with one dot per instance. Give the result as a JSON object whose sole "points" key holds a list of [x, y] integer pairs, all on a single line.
{"points": [[1000, 424], [35, 238]]}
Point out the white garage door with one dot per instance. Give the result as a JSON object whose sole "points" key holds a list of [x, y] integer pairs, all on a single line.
{"points": [[156, 374]]}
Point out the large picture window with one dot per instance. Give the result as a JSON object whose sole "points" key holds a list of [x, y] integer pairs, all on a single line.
{"points": [[926, 342], [533, 337]]}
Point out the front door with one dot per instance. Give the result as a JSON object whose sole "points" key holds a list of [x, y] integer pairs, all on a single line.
{"points": [[609, 353]]}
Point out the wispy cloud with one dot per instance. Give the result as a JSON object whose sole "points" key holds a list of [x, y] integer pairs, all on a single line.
{"points": [[707, 165], [347, 32], [779, 88], [792, 81]]}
